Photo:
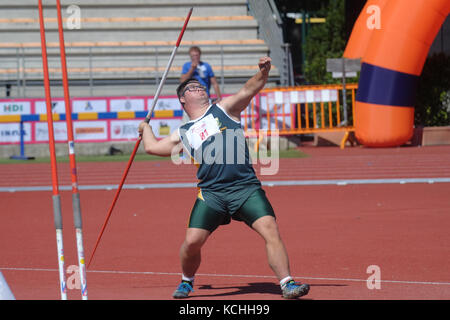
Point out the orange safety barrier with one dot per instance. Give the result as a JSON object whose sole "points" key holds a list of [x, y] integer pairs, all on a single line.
{"points": [[301, 110]]}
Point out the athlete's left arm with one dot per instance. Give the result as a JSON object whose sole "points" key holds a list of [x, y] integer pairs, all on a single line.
{"points": [[235, 104], [164, 147]]}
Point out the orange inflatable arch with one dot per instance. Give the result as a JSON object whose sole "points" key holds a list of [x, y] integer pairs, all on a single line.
{"points": [[392, 38]]}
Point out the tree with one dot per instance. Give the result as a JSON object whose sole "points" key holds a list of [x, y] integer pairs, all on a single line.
{"points": [[326, 40], [285, 6], [433, 92], [293, 30]]}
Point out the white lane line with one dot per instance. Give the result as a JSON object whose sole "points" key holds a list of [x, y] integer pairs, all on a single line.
{"points": [[230, 275], [264, 183]]}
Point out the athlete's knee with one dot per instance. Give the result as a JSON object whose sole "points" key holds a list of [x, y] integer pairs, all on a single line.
{"points": [[265, 223], [267, 227], [190, 245], [195, 238]]}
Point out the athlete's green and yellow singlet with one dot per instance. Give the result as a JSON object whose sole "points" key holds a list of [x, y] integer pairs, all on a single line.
{"points": [[217, 144]]}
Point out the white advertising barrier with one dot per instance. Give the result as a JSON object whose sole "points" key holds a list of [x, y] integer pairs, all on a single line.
{"points": [[163, 127], [15, 107], [104, 127], [127, 105], [58, 106], [166, 104], [89, 105], [124, 129], [10, 132], [59, 131], [90, 130], [82, 130], [128, 129]]}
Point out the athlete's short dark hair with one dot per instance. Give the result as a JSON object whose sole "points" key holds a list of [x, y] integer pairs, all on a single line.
{"points": [[183, 85]]}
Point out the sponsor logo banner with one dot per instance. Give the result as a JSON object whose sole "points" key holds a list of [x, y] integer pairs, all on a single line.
{"points": [[165, 104], [10, 132], [15, 107], [124, 129], [58, 106], [84, 129], [127, 105], [59, 131], [89, 106], [90, 130]]}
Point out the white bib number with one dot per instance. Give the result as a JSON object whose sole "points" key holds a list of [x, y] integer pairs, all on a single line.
{"points": [[202, 130]]}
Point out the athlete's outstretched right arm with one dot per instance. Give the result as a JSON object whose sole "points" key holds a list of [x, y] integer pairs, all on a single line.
{"points": [[163, 147], [235, 104]]}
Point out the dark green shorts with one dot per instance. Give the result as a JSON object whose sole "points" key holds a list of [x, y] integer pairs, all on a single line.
{"points": [[256, 206]]}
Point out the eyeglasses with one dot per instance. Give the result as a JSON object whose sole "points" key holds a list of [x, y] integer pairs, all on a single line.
{"points": [[194, 88]]}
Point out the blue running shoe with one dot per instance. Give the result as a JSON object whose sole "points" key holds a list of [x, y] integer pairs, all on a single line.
{"points": [[183, 290], [294, 290]]}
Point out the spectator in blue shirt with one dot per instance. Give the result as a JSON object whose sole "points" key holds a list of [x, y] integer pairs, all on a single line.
{"points": [[201, 71]]}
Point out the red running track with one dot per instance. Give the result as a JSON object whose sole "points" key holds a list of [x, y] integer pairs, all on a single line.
{"points": [[332, 233], [322, 164]]}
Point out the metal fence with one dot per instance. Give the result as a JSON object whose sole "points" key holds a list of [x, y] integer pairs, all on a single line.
{"points": [[88, 66], [301, 110]]}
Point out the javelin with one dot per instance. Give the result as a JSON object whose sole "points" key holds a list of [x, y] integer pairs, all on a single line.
{"points": [[57, 216], [147, 119], [73, 166]]}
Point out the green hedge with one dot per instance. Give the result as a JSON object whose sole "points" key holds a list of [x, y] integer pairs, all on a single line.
{"points": [[433, 92], [325, 40]]}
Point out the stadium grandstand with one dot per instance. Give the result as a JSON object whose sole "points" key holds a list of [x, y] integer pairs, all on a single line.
{"points": [[121, 47]]}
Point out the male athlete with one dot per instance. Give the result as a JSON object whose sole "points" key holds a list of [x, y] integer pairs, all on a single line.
{"points": [[228, 186]]}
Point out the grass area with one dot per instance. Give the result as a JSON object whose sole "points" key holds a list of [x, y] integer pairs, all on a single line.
{"points": [[101, 158], [291, 153], [282, 154]]}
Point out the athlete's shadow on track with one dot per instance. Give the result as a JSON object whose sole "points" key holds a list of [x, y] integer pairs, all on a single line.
{"points": [[249, 288]]}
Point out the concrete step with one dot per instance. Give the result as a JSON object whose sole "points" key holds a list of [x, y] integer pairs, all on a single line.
{"points": [[168, 89], [112, 69], [114, 61], [161, 48], [129, 20], [204, 31], [163, 23], [117, 8], [131, 60], [128, 73]]}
